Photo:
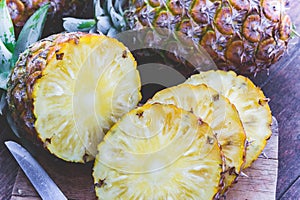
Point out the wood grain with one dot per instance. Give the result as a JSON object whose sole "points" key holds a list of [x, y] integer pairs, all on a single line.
{"points": [[283, 90], [8, 166], [75, 180], [293, 192], [262, 176]]}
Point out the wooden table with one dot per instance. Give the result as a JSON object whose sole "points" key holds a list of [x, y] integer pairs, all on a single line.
{"points": [[282, 86]]}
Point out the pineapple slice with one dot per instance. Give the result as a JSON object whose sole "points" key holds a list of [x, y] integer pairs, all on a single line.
{"points": [[220, 115], [84, 84], [250, 102], [158, 152]]}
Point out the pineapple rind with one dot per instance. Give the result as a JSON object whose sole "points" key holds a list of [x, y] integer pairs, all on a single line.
{"points": [[242, 35], [250, 102], [164, 153], [221, 116]]}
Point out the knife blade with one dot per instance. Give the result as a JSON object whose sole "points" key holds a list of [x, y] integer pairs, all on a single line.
{"points": [[39, 178]]}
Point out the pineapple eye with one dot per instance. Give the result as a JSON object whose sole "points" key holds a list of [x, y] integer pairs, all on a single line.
{"points": [[124, 55], [146, 16], [47, 141], [251, 28], [285, 27], [208, 41], [265, 49], [240, 4], [16, 10], [176, 7], [272, 9], [154, 3], [140, 114], [162, 20], [210, 140], [235, 51], [216, 97], [223, 21], [59, 56], [199, 12], [100, 183]]}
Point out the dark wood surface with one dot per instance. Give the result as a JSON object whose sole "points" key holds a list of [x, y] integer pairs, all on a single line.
{"points": [[282, 86]]}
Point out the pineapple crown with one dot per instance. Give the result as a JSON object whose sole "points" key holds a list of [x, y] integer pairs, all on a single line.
{"points": [[109, 19], [11, 47]]}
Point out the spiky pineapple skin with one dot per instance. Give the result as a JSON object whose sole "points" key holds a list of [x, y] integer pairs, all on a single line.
{"points": [[244, 36], [26, 72], [20, 11]]}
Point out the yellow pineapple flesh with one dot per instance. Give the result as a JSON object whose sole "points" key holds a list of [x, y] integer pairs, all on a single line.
{"points": [[75, 86], [250, 102], [158, 152], [219, 113]]}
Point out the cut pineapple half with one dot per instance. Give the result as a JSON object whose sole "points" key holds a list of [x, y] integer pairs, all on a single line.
{"points": [[221, 116], [250, 102], [158, 152], [87, 85]]}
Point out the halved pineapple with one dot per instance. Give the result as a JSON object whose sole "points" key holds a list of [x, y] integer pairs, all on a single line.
{"points": [[158, 152], [221, 116], [250, 102], [69, 89]]}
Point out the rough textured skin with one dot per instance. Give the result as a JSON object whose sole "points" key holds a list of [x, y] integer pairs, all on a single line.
{"points": [[21, 10], [27, 70], [242, 35]]}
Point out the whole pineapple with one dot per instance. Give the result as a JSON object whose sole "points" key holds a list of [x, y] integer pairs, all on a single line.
{"points": [[21, 10], [242, 35]]}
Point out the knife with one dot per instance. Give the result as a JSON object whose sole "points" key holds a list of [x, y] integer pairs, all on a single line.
{"points": [[39, 178]]}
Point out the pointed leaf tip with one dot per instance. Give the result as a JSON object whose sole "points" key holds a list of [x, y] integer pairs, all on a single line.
{"points": [[7, 34]]}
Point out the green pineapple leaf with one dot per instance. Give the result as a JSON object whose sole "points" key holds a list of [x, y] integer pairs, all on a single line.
{"points": [[72, 24], [5, 58], [99, 11], [116, 16], [10, 49], [32, 31], [7, 44], [3, 80], [7, 34], [294, 32]]}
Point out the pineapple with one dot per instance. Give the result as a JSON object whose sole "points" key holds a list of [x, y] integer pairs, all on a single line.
{"points": [[221, 116], [250, 102], [245, 36], [67, 90], [21, 10], [158, 152]]}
